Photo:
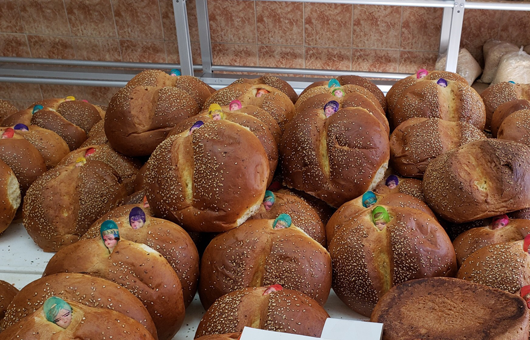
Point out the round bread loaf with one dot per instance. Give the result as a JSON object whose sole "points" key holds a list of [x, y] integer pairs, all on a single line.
{"points": [[50, 145], [273, 81], [10, 197], [409, 186], [503, 266], [138, 268], [270, 308], [63, 203], [478, 180], [439, 98], [416, 141], [275, 102], [516, 127], [334, 159], [448, 308], [86, 323], [6, 109], [84, 289], [499, 231], [22, 157], [7, 294], [136, 224], [501, 93], [369, 259], [504, 110], [350, 209], [303, 215], [211, 180], [268, 255], [255, 125], [348, 96], [353, 80], [139, 117], [125, 167]]}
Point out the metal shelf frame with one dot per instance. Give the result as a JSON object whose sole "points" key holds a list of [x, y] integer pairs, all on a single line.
{"points": [[117, 74]]}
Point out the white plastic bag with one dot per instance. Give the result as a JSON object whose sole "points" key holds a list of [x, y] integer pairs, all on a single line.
{"points": [[467, 66], [514, 67], [494, 50]]}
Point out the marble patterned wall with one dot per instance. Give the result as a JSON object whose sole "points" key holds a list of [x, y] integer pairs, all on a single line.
{"points": [[243, 32]]}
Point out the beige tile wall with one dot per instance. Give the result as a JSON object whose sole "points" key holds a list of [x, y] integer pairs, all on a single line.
{"points": [[244, 32]]}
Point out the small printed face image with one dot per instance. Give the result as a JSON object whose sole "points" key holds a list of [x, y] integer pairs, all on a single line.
{"points": [[37, 108], [80, 161], [145, 202], [8, 133], [58, 311], [392, 181], [380, 217], [21, 127], [261, 92], [195, 126], [442, 82], [526, 243], [109, 234], [333, 83], [89, 151], [422, 73], [369, 199], [136, 218], [500, 222], [69, 98], [174, 72], [235, 105], [331, 108], [215, 112], [269, 199], [281, 222], [272, 289], [338, 92]]}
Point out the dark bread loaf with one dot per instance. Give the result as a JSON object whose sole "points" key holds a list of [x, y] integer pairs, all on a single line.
{"points": [[416, 141], [96, 135], [63, 203], [516, 127], [269, 308], [334, 159], [273, 81], [409, 186], [85, 289], [504, 110], [136, 267], [87, 323], [7, 294], [266, 256], [479, 180], [501, 93], [10, 197], [211, 180], [164, 236], [369, 261], [448, 308]]}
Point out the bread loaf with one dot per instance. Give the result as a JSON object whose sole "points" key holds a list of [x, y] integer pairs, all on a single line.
{"points": [[501, 93], [504, 110], [10, 197], [7, 293], [273, 81]]}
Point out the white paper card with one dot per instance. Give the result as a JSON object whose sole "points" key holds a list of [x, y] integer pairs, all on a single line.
{"points": [[338, 329], [260, 334]]}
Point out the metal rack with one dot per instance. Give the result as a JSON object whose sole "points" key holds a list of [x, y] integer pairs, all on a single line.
{"points": [[116, 74]]}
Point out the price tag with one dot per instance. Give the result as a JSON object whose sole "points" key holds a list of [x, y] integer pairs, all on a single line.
{"points": [[338, 329]]}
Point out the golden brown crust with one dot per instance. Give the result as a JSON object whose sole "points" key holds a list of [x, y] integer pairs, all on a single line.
{"points": [[457, 102], [212, 180], [503, 266], [500, 93], [87, 323], [504, 110], [334, 159], [474, 239], [478, 180], [276, 103], [10, 197], [416, 141], [166, 237], [367, 262], [62, 204], [50, 145], [96, 135], [23, 158], [516, 127], [6, 109], [85, 289], [256, 255], [447, 308], [7, 294], [350, 209], [409, 186], [136, 267], [273, 81], [286, 311]]}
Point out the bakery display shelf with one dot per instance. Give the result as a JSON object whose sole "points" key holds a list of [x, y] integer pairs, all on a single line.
{"points": [[498, 5], [23, 262]]}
